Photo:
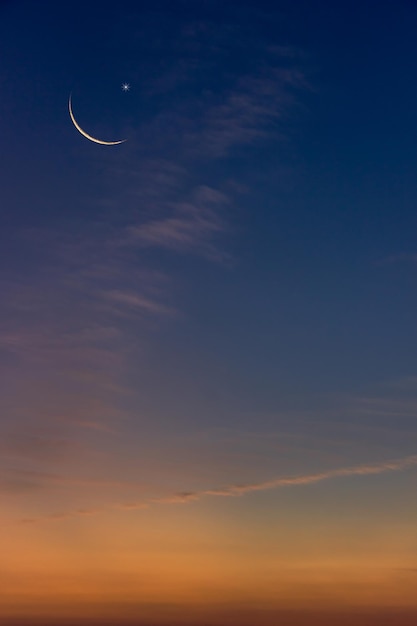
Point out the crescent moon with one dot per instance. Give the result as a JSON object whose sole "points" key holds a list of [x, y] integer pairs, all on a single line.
{"points": [[86, 135]]}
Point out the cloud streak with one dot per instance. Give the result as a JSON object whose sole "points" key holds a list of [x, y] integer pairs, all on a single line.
{"points": [[235, 490], [307, 479], [247, 112], [188, 226]]}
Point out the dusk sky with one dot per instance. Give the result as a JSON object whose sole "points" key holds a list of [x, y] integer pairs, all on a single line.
{"points": [[208, 339]]}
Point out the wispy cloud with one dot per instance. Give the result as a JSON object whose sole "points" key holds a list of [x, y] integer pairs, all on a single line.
{"points": [[136, 302], [189, 226], [247, 112], [236, 490], [307, 479]]}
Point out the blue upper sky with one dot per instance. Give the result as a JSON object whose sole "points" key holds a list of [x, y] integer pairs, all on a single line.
{"points": [[251, 250]]}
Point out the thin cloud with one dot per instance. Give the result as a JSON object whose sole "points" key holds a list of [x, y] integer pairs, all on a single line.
{"points": [[307, 479], [183, 497], [189, 226], [136, 302], [249, 111]]}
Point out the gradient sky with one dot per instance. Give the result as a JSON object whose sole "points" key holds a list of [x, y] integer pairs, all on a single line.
{"points": [[208, 366]]}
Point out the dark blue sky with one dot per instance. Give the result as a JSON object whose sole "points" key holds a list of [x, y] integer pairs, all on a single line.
{"points": [[317, 286], [319, 236]]}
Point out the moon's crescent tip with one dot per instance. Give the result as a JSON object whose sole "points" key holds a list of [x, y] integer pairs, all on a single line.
{"points": [[86, 135]]}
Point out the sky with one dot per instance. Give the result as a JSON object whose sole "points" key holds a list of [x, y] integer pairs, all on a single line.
{"points": [[208, 370]]}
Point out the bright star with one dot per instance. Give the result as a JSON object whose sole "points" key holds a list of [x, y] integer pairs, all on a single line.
{"points": [[125, 87]]}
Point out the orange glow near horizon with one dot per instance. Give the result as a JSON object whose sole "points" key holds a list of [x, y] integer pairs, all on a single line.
{"points": [[189, 561]]}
